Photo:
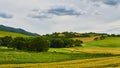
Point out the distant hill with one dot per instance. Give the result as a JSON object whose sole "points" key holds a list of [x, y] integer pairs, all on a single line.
{"points": [[12, 34], [16, 30]]}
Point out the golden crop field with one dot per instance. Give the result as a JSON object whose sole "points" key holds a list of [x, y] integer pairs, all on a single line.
{"points": [[86, 39], [96, 50]]}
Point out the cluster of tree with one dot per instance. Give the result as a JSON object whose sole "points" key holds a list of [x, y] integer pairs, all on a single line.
{"points": [[75, 34], [64, 42], [41, 43], [100, 38], [114, 35], [68, 35], [30, 44]]}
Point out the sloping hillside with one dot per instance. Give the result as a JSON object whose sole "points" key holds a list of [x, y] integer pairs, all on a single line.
{"points": [[113, 42], [16, 30], [4, 33]]}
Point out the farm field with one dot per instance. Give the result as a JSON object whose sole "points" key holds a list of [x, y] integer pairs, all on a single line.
{"points": [[96, 50]]}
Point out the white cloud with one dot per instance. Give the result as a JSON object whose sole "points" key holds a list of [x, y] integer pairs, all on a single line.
{"points": [[96, 16]]}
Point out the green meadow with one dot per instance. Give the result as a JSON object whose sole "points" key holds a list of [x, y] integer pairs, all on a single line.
{"points": [[113, 42], [9, 56]]}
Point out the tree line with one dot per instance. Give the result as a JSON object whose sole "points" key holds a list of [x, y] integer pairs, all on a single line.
{"points": [[39, 43], [75, 34]]}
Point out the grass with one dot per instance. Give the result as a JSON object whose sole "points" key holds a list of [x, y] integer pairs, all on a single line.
{"points": [[4, 33], [113, 42], [59, 50], [9, 56], [104, 62]]}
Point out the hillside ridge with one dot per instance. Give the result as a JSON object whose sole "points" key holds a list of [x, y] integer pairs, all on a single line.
{"points": [[16, 30]]}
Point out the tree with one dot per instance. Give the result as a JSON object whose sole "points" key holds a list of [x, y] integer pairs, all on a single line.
{"points": [[39, 44], [19, 43], [78, 43], [102, 37], [96, 38], [57, 43], [6, 41], [68, 42]]}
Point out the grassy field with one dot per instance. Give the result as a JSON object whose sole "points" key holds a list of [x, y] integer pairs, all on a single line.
{"points": [[106, 62], [113, 42], [9, 56], [78, 59], [3, 33]]}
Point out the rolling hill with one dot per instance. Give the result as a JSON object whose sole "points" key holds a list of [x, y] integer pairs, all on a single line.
{"points": [[113, 42], [16, 30], [4, 33]]}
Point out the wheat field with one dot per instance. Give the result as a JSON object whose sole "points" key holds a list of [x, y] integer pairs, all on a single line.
{"points": [[95, 50]]}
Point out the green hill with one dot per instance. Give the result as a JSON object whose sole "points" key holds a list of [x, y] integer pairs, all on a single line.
{"points": [[113, 42], [4, 33], [16, 30]]}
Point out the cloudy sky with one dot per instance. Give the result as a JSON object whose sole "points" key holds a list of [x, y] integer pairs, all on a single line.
{"points": [[47, 16]]}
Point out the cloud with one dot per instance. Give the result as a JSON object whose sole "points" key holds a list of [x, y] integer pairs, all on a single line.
{"points": [[39, 16], [6, 16], [112, 27], [61, 15], [108, 2], [63, 11], [51, 12], [111, 2]]}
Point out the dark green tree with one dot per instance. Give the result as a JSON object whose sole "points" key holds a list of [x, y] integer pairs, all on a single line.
{"points": [[78, 43], [19, 43], [57, 43], [6, 41], [39, 44], [68, 42]]}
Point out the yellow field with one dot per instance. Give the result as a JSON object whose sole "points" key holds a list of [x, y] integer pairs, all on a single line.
{"points": [[96, 50], [108, 62], [87, 39]]}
